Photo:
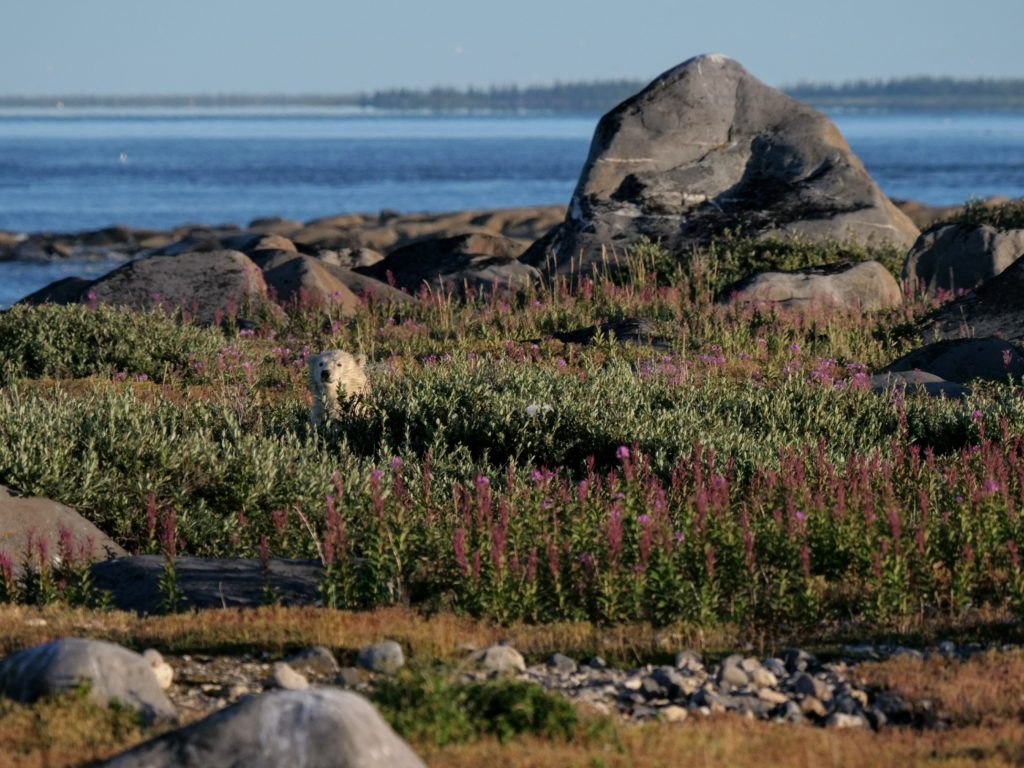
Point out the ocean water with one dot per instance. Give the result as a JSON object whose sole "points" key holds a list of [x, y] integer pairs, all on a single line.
{"points": [[68, 170]]}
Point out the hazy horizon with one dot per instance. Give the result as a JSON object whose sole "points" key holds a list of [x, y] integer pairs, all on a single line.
{"points": [[131, 48]]}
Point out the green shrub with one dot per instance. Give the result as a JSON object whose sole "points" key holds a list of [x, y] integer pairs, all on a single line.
{"points": [[1002, 216]]}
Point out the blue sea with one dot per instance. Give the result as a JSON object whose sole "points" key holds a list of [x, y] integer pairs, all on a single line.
{"points": [[75, 170]]}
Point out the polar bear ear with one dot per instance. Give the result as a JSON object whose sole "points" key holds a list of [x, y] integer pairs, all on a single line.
{"points": [[361, 359]]}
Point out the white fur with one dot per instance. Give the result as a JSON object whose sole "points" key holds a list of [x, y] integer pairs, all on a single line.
{"points": [[330, 372]]}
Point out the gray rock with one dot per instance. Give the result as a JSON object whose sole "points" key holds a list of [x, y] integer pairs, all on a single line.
{"points": [[315, 660], [385, 657], [561, 664], [854, 286], [994, 308], [212, 283], [918, 381], [798, 660], [954, 257], [963, 360], [763, 678], [845, 720], [499, 659], [470, 261], [315, 728], [809, 685], [350, 677], [45, 519], [707, 148], [305, 280], [112, 673], [689, 660], [732, 673], [284, 677], [134, 582]]}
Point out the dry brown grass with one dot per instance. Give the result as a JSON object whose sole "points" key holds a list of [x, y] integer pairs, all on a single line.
{"points": [[987, 688], [733, 741]]}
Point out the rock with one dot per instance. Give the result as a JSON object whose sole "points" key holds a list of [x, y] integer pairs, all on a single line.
{"points": [[707, 148], [845, 720], [918, 381], [316, 660], [771, 696], [632, 330], [307, 281], [284, 677], [469, 261], [315, 728], [732, 673], [690, 660], [809, 685], [275, 225], [561, 664], [855, 286], [953, 257], [67, 290], [499, 659], [45, 519], [112, 672], [762, 678], [673, 713], [994, 308], [385, 657], [964, 360], [162, 671], [798, 660], [134, 582], [350, 677], [356, 257], [213, 283], [811, 706]]}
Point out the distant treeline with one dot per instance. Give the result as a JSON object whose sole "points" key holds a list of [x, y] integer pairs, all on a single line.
{"points": [[587, 97], [915, 93]]}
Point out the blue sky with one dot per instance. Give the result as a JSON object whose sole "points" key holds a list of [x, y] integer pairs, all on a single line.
{"points": [[336, 46]]}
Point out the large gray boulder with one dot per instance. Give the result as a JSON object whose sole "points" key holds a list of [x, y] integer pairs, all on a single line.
{"points": [[964, 360], [953, 257], [994, 308], [313, 728], [856, 286], [706, 148], [45, 520], [471, 260], [113, 673], [211, 282], [304, 279]]}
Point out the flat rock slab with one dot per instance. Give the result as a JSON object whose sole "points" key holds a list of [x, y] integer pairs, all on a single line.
{"points": [[134, 582], [918, 381], [855, 286], [313, 728], [44, 519], [112, 672], [963, 360]]}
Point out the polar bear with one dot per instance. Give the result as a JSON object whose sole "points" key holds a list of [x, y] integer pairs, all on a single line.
{"points": [[330, 372]]}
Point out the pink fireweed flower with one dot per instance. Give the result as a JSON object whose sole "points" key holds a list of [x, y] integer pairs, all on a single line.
{"points": [[622, 453], [459, 545], [614, 534]]}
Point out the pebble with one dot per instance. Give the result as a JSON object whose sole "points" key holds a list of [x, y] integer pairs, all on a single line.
{"points": [[163, 671], [283, 676], [385, 657]]}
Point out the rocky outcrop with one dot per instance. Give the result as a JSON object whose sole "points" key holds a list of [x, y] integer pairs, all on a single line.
{"points": [[42, 521], [112, 673], [313, 728], [964, 360], [210, 283], [464, 262], [855, 286], [994, 308], [306, 280], [917, 381], [957, 257], [708, 148]]}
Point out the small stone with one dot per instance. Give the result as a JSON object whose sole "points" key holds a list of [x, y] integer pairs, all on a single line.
{"points": [[597, 663], [284, 677], [811, 705], [237, 691], [762, 678], [733, 674], [750, 664], [812, 686], [163, 671], [673, 713], [844, 720], [797, 660], [633, 683], [385, 657], [316, 660], [861, 697], [561, 664], [947, 648], [772, 696], [349, 677], [689, 660], [499, 659]]}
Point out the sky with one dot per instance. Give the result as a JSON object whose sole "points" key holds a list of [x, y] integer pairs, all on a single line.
{"points": [[338, 46]]}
